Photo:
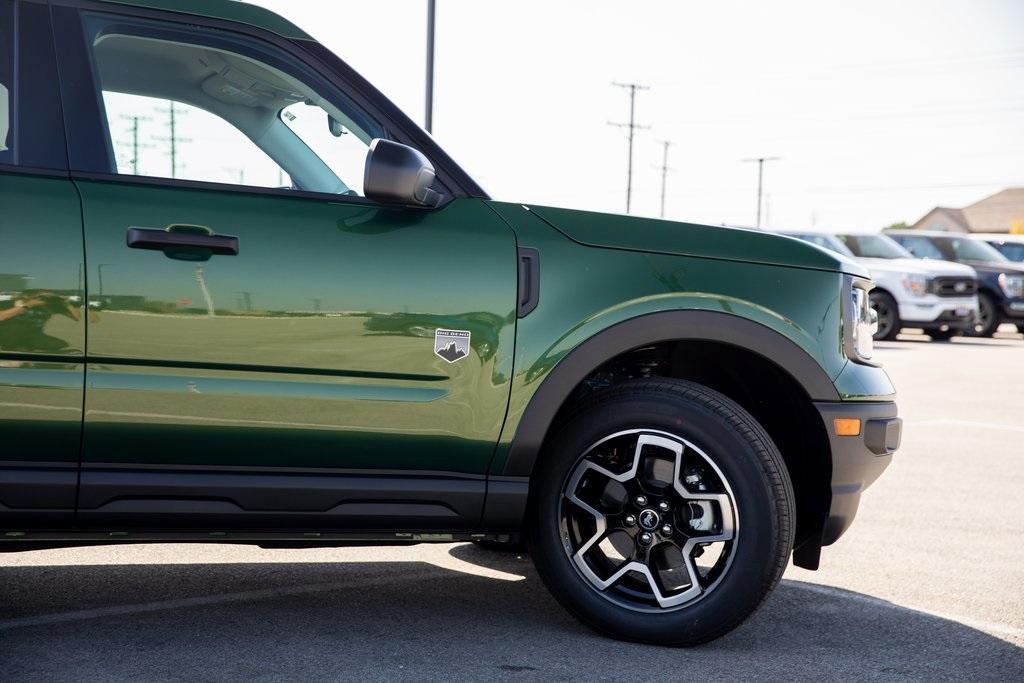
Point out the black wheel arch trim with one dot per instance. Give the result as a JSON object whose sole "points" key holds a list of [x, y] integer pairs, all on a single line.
{"points": [[654, 328]]}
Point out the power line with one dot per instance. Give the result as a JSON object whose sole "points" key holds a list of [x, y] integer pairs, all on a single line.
{"points": [[760, 180], [632, 126]]}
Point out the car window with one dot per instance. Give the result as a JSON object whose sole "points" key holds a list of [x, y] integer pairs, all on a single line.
{"points": [[202, 146], [1011, 250], [6, 81], [919, 246], [824, 241], [874, 246], [215, 107], [970, 249]]}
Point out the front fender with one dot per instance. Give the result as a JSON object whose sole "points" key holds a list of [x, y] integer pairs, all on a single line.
{"points": [[651, 328]]}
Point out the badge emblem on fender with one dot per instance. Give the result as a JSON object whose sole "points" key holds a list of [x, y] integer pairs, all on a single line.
{"points": [[452, 345]]}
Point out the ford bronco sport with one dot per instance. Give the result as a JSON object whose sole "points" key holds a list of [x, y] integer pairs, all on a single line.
{"points": [[295, 321]]}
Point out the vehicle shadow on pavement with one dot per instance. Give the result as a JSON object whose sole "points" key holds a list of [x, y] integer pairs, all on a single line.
{"points": [[416, 620]]}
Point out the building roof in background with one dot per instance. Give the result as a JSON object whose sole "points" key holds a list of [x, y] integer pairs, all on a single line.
{"points": [[1001, 212]]}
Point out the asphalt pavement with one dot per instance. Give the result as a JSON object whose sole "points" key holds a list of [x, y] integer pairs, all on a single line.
{"points": [[928, 584]]}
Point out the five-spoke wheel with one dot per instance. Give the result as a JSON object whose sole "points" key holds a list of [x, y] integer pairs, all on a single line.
{"points": [[640, 512], [636, 504]]}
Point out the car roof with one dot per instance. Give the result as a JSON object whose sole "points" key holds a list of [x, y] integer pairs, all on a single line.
{"points": [[931, 233], [229, 10], [1000, 237]]}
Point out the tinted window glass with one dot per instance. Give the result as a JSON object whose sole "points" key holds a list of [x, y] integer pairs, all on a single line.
{"points": [[825, 242], [217, 107], [6, 81], [204, 146], [969, 249], [921, 247], [1011, 250], [874, 246]]}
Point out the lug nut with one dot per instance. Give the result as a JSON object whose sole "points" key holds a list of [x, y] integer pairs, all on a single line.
{"points": [[666, 530], [640, 500], [630, 520], [645, 538], [663, 506]]}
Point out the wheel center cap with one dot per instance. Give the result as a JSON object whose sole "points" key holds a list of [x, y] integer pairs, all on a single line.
{"points": [[649, 519]]}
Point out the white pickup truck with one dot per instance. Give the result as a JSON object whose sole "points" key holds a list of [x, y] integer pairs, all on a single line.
{"points": [[939, 297]]}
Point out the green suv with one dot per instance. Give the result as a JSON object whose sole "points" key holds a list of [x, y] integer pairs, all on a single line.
{"points": [[244, 299]]}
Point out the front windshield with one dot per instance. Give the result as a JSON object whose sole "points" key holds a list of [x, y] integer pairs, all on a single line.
{"points": [[829, 242], [967, 249], [1011, 250], [874, 246]]}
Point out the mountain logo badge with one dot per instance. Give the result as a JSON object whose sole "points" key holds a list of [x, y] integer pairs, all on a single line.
{"points": [[452, 345]]}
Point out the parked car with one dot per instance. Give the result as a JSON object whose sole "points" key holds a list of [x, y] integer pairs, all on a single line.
{"points": [[1010, 246], [340, 338], [938, 297], [1000, 281]]}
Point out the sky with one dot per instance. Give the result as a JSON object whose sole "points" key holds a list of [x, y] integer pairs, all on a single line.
{"points": [[878, 110]]}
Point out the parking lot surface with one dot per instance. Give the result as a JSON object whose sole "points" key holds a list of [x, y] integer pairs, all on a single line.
{"points": [[928, 584]]}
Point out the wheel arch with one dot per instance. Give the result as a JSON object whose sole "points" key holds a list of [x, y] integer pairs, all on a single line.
{"points": [[649, 329], [778, 365]]}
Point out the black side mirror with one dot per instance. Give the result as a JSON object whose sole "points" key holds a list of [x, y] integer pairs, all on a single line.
{"points": [[399, 174]]}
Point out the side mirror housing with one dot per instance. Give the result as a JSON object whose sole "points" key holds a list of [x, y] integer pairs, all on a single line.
{"points": [[399, 174]]}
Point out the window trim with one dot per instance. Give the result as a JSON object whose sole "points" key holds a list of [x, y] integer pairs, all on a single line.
{"points": [[39, 144], [80, 89]]}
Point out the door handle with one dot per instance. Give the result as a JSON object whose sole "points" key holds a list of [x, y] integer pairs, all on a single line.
{"points": [[177, 237]]}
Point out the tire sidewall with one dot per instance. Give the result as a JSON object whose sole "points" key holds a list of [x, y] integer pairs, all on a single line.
{"points": [[985, 301], [756, 552], [894, 311]]}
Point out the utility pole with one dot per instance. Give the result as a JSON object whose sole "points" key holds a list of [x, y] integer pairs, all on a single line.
{"points": [[664, 172], [173, 140], [135, 146], [429, 117], [240, 172], [760, 180], [632, 126], [99, 272], [246, 300]]}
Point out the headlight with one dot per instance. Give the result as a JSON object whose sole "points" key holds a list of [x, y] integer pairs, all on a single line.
{"points": [[916, 285], [1012, 285], [859, 320]]}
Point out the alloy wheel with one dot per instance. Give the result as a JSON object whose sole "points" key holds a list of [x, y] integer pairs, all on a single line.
{"points": [[649, 520]]}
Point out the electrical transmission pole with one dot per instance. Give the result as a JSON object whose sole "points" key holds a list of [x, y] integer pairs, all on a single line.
{"points": [[664, 172], [429, 117], [173, 140], [632, 126], [134, 144], [760, 181]]}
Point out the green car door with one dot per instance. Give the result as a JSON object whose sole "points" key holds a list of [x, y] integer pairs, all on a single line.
{"points": [[42, 313], [268, 347]]}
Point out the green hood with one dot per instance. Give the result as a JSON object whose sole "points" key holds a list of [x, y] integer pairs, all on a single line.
{"points": [[688, 239]]}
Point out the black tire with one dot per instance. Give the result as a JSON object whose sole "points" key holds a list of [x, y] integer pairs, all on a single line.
{"points": [[888, 315], [988, 316], [1020, 328], [943, 335], [755, 476]]}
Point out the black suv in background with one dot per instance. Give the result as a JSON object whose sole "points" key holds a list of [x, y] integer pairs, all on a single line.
{"points": [[1000, 281]]}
